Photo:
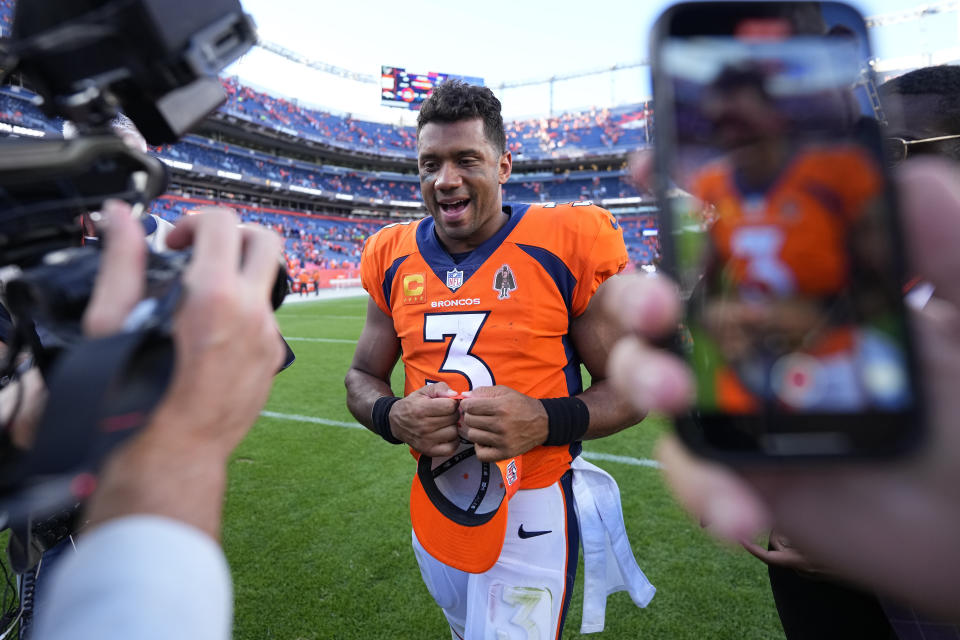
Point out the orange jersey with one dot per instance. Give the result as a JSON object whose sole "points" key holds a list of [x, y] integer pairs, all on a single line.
{"points": [[791, 239], [502, 315]]}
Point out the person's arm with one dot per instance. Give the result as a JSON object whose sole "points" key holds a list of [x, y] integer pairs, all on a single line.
{"points": [[155, 516], [426, 419], [368, 378], [139, 576], [891, 526], [594, 334]]}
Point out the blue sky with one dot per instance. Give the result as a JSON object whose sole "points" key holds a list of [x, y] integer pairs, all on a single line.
{"points": [[500, 41]]}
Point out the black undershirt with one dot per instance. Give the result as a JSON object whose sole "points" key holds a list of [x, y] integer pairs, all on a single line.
{"points": [[460, 257]]}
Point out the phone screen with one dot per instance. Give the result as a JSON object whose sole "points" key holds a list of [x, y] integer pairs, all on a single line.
{"points": [[778, 223]]}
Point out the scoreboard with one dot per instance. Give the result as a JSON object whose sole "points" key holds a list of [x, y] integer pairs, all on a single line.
{"points": [[408, 90]]}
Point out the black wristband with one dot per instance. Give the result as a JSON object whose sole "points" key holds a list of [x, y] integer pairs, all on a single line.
{"points": [[567, 420], [381, 418]]}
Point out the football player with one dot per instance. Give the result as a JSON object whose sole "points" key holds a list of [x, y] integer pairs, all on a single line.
{"points": [[789, 225], [489, 306]]}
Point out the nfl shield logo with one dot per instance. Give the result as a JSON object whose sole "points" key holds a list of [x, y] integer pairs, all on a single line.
{"points": [[511, 472], [454, 279]]}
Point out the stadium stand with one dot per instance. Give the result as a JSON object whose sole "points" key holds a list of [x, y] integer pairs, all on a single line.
{"points": [[573, 134], [17, 108], [328, 246], [324, 245], [6, 17], [212, 156], [596, 129], [640, 234], [331, 246]]}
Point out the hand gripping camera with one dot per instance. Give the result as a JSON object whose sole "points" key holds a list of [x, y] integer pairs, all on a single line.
{"points": [[157, 62]]}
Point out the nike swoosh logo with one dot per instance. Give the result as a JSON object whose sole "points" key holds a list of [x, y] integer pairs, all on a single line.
{"points": [[530, 534]]}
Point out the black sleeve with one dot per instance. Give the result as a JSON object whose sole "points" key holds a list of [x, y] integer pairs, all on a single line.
{"points": [[6, 325]]}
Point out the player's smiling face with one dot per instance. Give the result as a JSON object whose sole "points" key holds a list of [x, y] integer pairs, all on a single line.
{"points": [[460, 177]]}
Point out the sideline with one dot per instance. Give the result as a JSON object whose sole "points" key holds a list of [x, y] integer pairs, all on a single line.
{"points": [[325, 294], [589, 455]]}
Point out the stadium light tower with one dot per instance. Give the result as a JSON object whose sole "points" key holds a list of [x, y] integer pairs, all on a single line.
{"points": [[332, 69], [914, 13], [926, 56]]}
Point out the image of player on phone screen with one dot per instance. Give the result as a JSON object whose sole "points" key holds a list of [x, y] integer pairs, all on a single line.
{"points": [[778, 221], [788, 222]]}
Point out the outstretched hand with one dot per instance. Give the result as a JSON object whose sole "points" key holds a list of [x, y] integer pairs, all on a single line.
{"points": [[891, 526]]}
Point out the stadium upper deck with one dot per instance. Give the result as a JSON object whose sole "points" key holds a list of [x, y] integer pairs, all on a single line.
{"points": [[212, 160], [571, 135], [302, 162], [209, 156], [316, 242], [598, 132], [6, 16]]}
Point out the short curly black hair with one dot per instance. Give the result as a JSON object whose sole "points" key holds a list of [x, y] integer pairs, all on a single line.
{"points": [[455, 100], [942, 81]]}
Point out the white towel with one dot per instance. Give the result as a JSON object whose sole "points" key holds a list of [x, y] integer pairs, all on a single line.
{"points": [[608, 562]]}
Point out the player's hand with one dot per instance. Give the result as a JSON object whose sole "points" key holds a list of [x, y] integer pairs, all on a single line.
{"points": [[427, 420], [502, 423], [891, 526]]}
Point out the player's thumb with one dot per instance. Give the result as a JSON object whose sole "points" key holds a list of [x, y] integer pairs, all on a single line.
{"points": [[482, 392], [486, 453], [930, 195], [439, 390]]}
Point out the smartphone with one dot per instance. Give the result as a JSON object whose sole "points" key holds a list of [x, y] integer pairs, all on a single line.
{"points": [[778, 221]]}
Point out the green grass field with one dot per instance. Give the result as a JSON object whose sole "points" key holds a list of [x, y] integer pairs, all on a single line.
{"points": [[318, 535]]}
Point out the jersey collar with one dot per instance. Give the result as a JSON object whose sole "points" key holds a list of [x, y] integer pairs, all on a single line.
{"points": [[436, 256]]}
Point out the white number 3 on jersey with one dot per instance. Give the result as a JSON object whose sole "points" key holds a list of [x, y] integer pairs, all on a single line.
{"points": [[462, 329]]}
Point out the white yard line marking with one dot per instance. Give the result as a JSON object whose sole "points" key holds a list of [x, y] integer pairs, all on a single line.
{"points": [[298, 418], [337, 340], [589, 455], [609, 457]]}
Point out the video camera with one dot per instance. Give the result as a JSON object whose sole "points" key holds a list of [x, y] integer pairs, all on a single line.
{"points": [[156, 61]]}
